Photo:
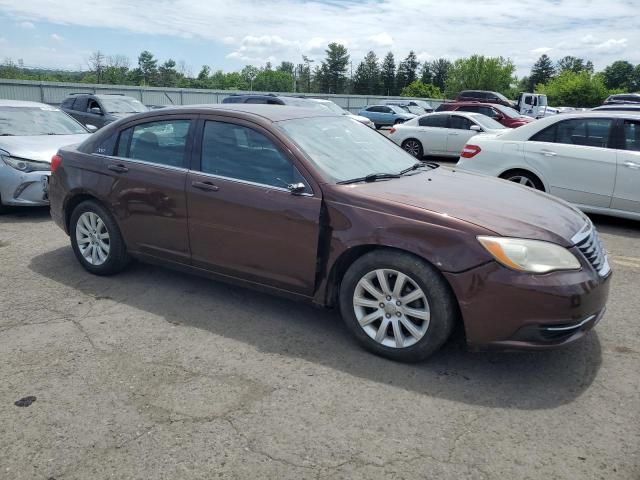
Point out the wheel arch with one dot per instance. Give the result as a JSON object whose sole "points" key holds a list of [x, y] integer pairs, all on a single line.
{"points": [[74, 200], [527, 170]]}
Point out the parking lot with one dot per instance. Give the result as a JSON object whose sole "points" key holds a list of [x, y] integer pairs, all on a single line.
{"points": [[157, 374]]}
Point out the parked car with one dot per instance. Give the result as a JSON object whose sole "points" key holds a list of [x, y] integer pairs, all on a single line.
{"points": [[483, 96], [270, 99], [622, 98], [507, 116], [385, 115], [618, 107], [418, 107], [442, 134], [100, 110], [338, 110], [589, 159], [30, 134], [323, 209]]}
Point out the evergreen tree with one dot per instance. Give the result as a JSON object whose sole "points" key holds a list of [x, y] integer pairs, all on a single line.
{"points": [[426, 75], [148, 67], [402, 75], [573, 64], [541, 72], [335, 66], [367, 77], [388, 74], [440, 72], [411, 63]]}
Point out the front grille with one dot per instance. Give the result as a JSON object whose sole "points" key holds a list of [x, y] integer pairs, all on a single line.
{"points": [[589, 243]]}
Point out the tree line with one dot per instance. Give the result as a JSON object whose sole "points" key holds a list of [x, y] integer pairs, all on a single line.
{"points": [[571, 81]]}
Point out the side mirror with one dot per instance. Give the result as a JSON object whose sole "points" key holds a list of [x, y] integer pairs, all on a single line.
{"points": [[95, 111], [296, 188], [475, 128], [499, 117], [91, 128]]}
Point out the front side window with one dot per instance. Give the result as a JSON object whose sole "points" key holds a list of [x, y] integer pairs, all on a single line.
{"points": [[460, 123], [163, 142], [469, 108], [80, 104], [632, 135], [241, 153], [44, 120], [488, 111]]}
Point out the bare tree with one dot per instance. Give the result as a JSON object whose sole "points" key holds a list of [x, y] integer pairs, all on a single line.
{"points": [[96, 64]]}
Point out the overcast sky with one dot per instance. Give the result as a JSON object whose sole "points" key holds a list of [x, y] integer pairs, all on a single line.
{"points": [[230, 34]]}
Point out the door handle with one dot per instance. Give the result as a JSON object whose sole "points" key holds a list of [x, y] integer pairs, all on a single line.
{"points": [[633, 165], [548, 153], [454, 134], [207, 186], [118, 168]]}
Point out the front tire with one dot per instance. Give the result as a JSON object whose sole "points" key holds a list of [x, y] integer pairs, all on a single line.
{"points": [[397, 305], [96, 239], [413, 147]]}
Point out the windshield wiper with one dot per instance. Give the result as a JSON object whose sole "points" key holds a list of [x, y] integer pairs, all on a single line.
{"points": [[417, 165], [372, 177]]}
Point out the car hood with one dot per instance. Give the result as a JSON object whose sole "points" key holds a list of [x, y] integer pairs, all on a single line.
{"points": [[38, 147], [502, 207], [360, 118]]}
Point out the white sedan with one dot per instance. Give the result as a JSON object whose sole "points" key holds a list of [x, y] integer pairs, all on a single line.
{"points": [[442, 133], [589, 159]]}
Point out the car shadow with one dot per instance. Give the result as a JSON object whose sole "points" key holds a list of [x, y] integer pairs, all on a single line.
{"points": [[525, 380], [26, 214], [622, 227]]}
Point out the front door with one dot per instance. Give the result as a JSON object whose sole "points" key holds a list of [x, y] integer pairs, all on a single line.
{"points": [[147, 191], [243, 220], [576, 159], [626, 195], [459, 133]]}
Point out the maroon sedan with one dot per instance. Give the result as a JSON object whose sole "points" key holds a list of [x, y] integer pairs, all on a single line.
{"points": [[507, 116], [321, 208]]}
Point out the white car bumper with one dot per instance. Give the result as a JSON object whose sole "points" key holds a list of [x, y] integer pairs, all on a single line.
{"points": [[20, 188]]}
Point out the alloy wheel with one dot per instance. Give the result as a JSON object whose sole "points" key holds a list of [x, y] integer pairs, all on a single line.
{"points": [[412, 147], [391, 308], [93, 239], [522, 180]]}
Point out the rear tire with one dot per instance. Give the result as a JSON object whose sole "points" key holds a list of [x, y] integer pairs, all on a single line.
{"points": [[523, 177], [96, 239], [377, 126], [406, 321], [413, 147]]}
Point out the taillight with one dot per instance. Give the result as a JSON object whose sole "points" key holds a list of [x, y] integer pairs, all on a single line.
{"points": [[393, 130], [56, 160], [470, 151]]}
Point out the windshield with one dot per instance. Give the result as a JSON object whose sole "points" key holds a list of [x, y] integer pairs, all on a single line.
{"points": [[122, 105], [509, 112], [487, 123], [398, 109], [416, 110], [334, 108], [44, 120], [343, 148]]}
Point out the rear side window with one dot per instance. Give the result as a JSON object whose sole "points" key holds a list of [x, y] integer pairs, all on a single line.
{"points": [[488, 111], [632, 135], [68, 102], [241, 153], [434, 121], [587, 132], [80, 104], [163, 142], [469, 108]]}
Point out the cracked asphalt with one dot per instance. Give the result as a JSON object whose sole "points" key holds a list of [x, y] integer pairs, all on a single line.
{"points": [[158, 374]]}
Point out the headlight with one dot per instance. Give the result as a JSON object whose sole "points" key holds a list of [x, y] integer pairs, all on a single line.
{"points": [[532, 256], [26, 165]]}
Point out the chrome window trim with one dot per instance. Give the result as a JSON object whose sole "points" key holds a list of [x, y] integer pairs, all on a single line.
{"points": [[255, 184], [141, 162]]}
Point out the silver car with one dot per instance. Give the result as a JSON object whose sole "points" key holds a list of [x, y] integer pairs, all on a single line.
{"points": [[30, 134], [335, 108]]}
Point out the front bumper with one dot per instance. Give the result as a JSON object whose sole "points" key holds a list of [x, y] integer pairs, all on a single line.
{"points": [[511, 310], [20, 188]]}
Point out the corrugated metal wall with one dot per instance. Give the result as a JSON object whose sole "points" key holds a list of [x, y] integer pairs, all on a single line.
{"points": [[54, 92]]}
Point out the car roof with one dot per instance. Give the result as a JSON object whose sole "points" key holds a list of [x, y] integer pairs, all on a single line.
{"points": [[274, 113], [23, 103]]}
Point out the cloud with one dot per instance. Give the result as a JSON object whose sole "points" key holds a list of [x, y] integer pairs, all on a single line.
{"points": [[424, 57], [541, 50], [612, 45], [27, 25], [381, 40], [287, 29], [56, 37]]}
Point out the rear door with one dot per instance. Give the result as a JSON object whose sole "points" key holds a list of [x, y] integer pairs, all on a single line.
{"points": [[575, 159], [626, 195], [147, 178], [459, 133], [433, 133], [243, 220]]}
